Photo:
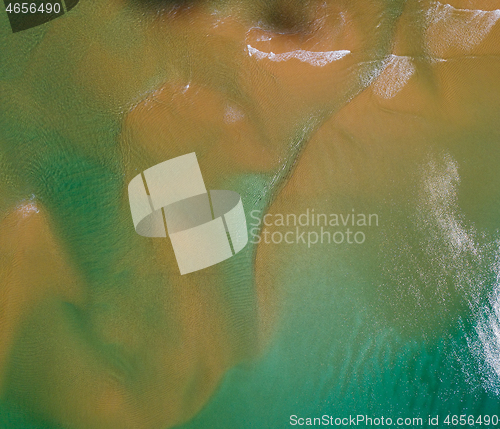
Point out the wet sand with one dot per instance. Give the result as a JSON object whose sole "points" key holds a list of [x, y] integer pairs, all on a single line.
{"points": [[97, 327]]}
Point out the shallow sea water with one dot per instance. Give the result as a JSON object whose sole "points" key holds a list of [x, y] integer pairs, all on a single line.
{"points": [[364, 107]]}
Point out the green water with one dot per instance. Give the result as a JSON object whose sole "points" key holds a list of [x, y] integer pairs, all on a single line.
{"points": [[99, 328]]}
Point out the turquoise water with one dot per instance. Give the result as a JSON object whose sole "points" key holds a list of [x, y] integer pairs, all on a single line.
{"points": [[372, 106], [342, 372]]}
